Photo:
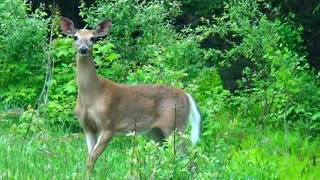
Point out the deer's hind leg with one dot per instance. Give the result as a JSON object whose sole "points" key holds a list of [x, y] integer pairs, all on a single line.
{"points": [[157, 135]]}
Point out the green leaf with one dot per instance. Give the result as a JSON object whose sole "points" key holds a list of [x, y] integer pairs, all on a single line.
{"points": [[316, 116], [113, 56], [70, 88]]}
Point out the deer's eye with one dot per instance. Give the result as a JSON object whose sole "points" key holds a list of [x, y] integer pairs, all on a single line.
{"points": [[92, 39], [75, 37]]}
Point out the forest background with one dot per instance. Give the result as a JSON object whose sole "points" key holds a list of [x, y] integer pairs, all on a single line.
{"points": [[252, 66]]}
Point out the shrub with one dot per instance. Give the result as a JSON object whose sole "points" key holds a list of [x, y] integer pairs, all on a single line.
{"points": [[143, 34], [278, 76], [23, 47]]}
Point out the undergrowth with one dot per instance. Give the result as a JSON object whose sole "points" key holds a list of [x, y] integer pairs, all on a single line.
{"points": [[255, 155]]}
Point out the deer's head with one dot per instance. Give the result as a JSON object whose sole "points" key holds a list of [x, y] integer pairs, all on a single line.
{"points": [[84, 38]]}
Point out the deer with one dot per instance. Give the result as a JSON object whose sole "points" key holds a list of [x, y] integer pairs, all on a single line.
{"points": [[105, 108]]}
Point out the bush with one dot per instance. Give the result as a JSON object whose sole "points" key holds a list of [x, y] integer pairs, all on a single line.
{"points": [[143, 34], [277, 77], [23, 46], [159, 55]]}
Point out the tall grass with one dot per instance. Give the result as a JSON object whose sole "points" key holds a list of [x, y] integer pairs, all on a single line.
{"points": [[63, 156], [249, 154]]}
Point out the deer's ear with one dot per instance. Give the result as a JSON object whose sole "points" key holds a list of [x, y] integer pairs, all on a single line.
{"points": [[102, 28], [67, 26]]}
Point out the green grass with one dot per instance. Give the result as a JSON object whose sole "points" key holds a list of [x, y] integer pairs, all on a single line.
{"points": [[57, 157], [255, 155]]}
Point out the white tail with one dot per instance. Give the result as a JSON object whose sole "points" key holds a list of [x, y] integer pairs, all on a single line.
{"points": [[106, 108], [195, 119]]}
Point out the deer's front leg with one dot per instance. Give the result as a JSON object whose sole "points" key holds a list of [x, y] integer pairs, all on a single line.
{"points": [[103, 140], [91, 139]]}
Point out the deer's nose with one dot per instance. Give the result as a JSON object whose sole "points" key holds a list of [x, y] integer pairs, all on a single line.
{"points": [[83, 50]]}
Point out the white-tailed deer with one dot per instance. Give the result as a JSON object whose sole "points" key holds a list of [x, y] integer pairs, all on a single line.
{"points": [[105, 108]]}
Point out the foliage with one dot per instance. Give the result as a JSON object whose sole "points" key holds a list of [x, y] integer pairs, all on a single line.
{"points": [[22, 57], [205, 8], [143, 34], [267, 128], [266, 158], [316, 9], [155, 60], [63, 86], [278, 76]]}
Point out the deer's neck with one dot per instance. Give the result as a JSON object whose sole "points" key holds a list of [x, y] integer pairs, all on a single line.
{"points": [[88, 80]]}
